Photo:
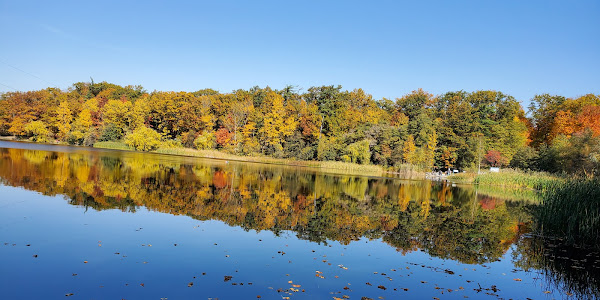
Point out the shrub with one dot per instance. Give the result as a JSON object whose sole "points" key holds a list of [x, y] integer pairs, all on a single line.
{"points": [[205, 141], [38, 131], [144, 139], [111, 133]]}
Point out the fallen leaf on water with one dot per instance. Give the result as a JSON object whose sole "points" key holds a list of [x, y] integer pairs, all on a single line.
{"points": [[547, 292], [190, 284], [382, 287], [85, 261], [368, 283], [227, 278], [141, 284], [296, 285], [517, 279]]}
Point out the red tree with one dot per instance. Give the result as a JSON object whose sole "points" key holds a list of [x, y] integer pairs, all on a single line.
{"points": [[495, 158]]}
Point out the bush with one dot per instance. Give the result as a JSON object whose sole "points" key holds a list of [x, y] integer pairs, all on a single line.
{"points": [[144, 139], [358, 152], [188, 138], [525, 159], [205, 141], [38, 131], [111, 133]]}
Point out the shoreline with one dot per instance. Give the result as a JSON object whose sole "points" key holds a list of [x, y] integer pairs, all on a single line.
{"points": [[327, 166]]}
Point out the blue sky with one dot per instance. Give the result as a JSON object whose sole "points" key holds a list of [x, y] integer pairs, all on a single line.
{"points": [[388, 48]]}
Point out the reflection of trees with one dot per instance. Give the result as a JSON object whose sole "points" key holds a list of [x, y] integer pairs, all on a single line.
{"points": [[443, 220], [574, 270]]}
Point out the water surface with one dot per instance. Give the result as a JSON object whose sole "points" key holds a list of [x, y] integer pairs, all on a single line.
{"points": [[102, 224]]}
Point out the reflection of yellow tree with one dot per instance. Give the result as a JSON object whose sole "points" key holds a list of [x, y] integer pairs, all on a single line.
{"points": [[408, 214]]}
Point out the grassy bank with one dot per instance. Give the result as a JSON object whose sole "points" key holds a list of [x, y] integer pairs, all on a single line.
{"points": [[570, 211], [372, 170], [509, 179], [113, 145]]}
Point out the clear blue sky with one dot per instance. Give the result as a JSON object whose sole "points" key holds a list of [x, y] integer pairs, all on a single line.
{"points": [[388, 48]]}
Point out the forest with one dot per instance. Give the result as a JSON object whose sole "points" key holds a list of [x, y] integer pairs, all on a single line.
{"points": [[453, 130]]}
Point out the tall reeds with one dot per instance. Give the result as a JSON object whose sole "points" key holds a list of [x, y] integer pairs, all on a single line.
{"points": [[570, 211], [517, 179]]}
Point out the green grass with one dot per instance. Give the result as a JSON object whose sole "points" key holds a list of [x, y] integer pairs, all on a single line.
{"points": [[113, 145], [570, 210]]}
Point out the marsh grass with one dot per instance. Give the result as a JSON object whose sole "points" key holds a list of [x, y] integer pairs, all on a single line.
{"points": [[517, 179], [509, 178], [113, 145], [570, 210]]}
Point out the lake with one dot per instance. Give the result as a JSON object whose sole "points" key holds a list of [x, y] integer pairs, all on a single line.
{"points": [[87, 223]]}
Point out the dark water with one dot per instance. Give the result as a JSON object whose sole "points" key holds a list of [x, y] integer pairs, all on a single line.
{"points": [[102, 224]]}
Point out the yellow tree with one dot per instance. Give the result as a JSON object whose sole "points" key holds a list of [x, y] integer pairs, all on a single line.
{"points": [[116, 112], [276, 124], [139, 113], [408, 151], [63, 120]]}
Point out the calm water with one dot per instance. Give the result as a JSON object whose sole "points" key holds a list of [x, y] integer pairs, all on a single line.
{"points": [[96, 224]]}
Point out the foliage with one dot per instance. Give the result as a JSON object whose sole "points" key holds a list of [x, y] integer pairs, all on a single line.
{"points": [[495, 158], [38, 131], [327, 123], [205, 141], [111, 132], [143, 139]]}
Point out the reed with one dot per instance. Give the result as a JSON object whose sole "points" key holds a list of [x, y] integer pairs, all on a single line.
{"points": [[518, 179], [570, 210], [509, 178], [113, 145]]}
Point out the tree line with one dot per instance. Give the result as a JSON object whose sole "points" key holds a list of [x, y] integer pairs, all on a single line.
{"points": [[452, 130]]}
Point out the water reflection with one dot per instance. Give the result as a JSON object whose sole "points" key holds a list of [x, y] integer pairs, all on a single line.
{"points": [[458, 223], [444, 221]]}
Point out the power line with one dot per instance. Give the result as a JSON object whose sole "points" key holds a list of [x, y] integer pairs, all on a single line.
{"points": [[50, 83], [10, 87]]}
